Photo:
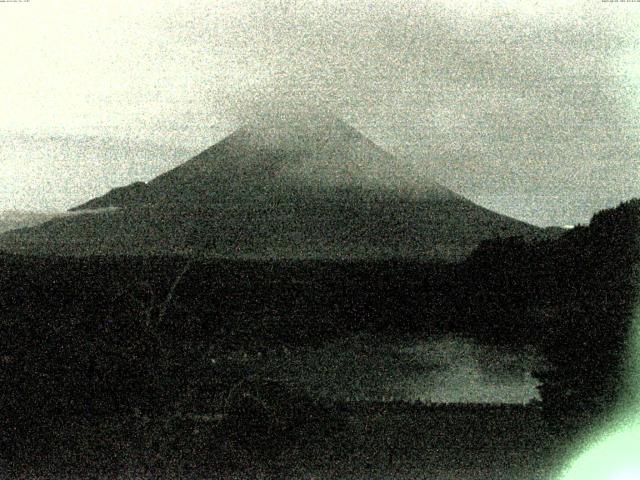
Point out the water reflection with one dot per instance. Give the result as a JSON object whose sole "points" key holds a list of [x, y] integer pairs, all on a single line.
{"points": [[444, 369]]}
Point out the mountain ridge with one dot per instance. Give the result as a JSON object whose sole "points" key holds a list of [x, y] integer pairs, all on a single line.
{"points": [[255, 163], [317, 190]]}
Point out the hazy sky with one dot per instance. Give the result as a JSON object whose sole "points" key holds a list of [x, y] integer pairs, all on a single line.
{"points": [[530, 108]]}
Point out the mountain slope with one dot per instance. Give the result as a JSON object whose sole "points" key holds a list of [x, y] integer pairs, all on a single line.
{"points": [[274, 164], [15, 219], [319, 190]]}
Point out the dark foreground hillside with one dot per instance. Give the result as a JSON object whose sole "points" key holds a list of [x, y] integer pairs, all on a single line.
{"points": [[331, 442], [106, 362]]}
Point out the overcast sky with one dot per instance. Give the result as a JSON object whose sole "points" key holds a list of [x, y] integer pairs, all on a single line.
{"points": [[528, 108]]}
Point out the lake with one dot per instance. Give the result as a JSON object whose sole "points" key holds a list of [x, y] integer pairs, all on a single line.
{"points": [[443, 369]]}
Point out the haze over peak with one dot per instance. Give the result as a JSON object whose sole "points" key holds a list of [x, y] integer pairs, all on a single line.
{"points": [[322, 150], [296, 128], [302, 134]]}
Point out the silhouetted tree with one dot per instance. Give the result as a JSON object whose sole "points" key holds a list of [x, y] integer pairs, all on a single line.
{"points": [[590, 339]]}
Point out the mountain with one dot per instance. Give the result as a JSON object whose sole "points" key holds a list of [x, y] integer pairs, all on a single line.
{"points": [[319, 189], [15, 219], [262, 164]]}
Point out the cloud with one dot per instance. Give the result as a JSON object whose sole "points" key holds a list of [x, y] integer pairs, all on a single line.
{"points": [[56, 173], [529, 106], [505, 102]]}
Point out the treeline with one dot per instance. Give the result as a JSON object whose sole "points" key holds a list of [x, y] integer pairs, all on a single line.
{"points": [[573, 298]]}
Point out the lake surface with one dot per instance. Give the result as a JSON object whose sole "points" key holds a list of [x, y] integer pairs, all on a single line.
{"points": [[446, 369]]}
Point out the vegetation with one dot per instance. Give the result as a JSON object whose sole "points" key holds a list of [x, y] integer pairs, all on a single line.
{"points": [[573, 298], [114, 337]]}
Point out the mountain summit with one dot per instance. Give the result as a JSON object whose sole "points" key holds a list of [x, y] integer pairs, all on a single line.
{"points": [[303, 189], [270, 163]]}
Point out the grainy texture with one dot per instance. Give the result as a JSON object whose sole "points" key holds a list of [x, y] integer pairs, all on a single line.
{"points": [[306, 238]]}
